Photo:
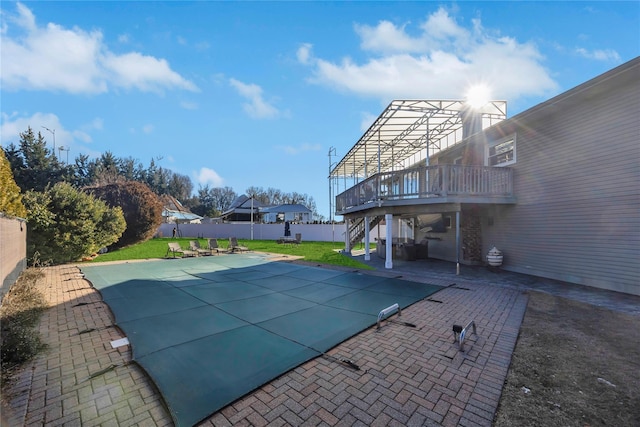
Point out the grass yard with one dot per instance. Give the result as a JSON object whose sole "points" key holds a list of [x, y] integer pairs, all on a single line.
{"points": [[321, 252]]}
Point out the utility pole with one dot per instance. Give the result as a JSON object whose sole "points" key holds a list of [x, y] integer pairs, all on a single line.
{"points": [[53, 132], [252, 196], [332, 151], [62, 148]]}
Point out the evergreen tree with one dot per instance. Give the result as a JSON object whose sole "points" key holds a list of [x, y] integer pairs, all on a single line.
{"points": [[35, 166]]}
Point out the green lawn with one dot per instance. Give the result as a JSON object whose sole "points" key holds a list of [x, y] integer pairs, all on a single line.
{"points": [[320, 252]]}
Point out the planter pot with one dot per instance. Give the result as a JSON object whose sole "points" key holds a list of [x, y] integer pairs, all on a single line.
{"points": [[494, 257], [494, 260]]}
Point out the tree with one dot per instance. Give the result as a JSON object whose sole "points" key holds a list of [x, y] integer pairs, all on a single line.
{"points": [[10, 197], [66, 224], [34, 166], [212, 202], [179, 186], [142, 209], [131, 169], [82, 168], [223, 197], [106, 169]]}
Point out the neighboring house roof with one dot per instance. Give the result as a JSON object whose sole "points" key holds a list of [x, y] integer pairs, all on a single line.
{"points": [[172, 208], [242, 205], [244, 202], [297, 208], [171, 203], [180, 216]]}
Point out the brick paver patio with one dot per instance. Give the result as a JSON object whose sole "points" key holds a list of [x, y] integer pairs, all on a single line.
{"points": [[408, 376]]}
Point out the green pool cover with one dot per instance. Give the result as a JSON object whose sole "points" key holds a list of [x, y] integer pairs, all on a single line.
{"points": [[209, 330]]}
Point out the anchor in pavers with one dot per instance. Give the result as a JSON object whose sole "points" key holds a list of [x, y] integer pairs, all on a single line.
{"points": [[460, 333], [384, 313]]}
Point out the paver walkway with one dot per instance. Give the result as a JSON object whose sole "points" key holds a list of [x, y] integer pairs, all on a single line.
{"points": [[408, 376]]}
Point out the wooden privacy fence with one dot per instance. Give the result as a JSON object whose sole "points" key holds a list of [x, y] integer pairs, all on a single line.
{"points": [[13, 251]]}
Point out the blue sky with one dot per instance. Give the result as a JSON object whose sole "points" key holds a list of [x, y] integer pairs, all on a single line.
{"points": [[244, 94]]}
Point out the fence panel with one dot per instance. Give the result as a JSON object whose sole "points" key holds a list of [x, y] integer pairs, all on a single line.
{"points": [[13, 251]]}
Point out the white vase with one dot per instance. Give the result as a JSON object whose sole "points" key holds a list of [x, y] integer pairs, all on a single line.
{"points": [[494, 257]]}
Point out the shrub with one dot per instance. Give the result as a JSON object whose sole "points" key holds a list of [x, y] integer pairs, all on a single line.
{"points": [[66, 224], [10, 197], [141, 207]]}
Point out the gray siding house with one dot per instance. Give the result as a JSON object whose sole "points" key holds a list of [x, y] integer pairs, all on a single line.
{"points": [[556, 188]]}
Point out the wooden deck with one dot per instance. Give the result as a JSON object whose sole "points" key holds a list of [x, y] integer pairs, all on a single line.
{"points": [[430, 184]]}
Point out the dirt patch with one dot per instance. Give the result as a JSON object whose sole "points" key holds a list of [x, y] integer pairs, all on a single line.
{"points": [[574, 365]]}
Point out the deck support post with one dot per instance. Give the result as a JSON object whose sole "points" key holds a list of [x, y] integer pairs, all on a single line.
{"points": [[367, 255], [457, 243], [388, 258]]}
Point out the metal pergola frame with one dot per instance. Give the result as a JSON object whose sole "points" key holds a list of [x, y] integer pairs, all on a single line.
{"points": [[410, 131]]}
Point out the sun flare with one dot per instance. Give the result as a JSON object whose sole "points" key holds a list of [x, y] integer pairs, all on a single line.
{"points": [[478, 95]]}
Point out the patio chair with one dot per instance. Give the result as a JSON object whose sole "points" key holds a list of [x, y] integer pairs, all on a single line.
{"points": [[194, 245], [174, 248], [234, 246], [213, 246]]}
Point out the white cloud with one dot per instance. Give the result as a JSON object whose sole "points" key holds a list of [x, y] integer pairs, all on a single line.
{"points": [[256, 107], [202, 45], [367, 121], [386, 37], [293, 150], [209, 177], [55, 58], [440, 61], [189, 105], [147, 129], [14, 124], [72, 139], [82, 136], [146, 73], [599, 54], [97, 123], [304, 53]]}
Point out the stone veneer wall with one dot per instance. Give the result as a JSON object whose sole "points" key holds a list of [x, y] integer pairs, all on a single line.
{"points": [[471, 235]]}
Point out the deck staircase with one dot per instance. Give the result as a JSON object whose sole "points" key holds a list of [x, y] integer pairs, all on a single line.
{"points": [[356, 231]]}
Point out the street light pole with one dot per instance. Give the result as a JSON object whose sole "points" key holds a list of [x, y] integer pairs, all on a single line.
{"points": [[53, 132]]}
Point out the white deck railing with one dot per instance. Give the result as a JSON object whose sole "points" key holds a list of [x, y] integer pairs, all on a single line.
{"points": [[427, 182]]}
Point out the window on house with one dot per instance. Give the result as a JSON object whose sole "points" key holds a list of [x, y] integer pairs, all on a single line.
{"points": [[502, 152]]}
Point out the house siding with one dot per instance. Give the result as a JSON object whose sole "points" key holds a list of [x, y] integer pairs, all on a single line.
{"points": [[577, 180]]}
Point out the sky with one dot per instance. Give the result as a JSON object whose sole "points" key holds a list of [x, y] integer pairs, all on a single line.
{"points": [[244, 94]]}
